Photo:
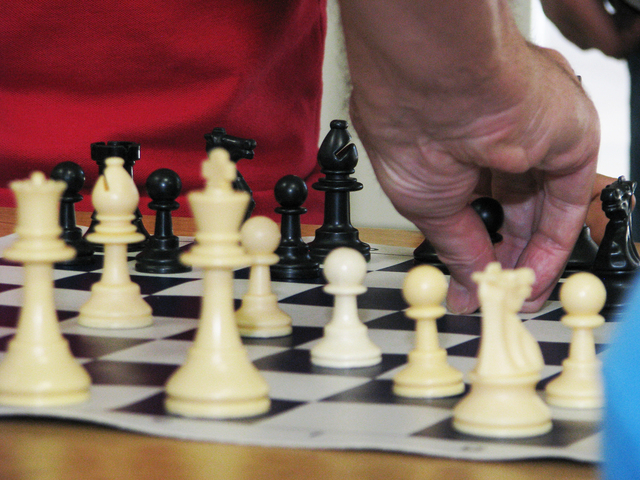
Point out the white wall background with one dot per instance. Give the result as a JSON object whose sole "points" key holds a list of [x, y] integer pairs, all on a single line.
{"points": [[605, 79]]}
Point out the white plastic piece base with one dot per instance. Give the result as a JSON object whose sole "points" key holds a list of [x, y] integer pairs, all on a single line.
{"points": [[503, 408], [579, 386], [115, 307], [217, 385], [428, 375], [42, 375], [345, 348], [261, 317]]}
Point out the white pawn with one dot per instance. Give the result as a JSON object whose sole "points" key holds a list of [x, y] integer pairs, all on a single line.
{"points": [[260, 316], [115, 300], [580, 384], [38, 368], [346, 343], [427, 373]]}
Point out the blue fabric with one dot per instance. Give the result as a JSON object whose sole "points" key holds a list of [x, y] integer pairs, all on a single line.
{"points": [[621, 371]]}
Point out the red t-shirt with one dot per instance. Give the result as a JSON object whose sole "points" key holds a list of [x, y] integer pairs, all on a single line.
{"points": [[162, 74]]}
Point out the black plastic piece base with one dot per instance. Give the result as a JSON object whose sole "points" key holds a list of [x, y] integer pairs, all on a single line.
{"points": [[583, 254], [327, 240], [85, 252], [161, 256], [426, 254], [294, 270], [618, 285]]}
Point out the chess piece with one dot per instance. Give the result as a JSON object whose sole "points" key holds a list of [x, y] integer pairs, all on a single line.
{"points": [[72, 174], [345, 343], [503, 402], [217, 380], [580, 384], [39, 369], [260, 316], [491, 214], [427, 373], [162, 250], [238, 149], [294, 259], [583, 254], [130, 153], [115, 300], [338, 159], [617, 260]]}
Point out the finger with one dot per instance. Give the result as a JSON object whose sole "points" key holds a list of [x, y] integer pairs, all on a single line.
{"points": [[563, 212], [463, 245]]}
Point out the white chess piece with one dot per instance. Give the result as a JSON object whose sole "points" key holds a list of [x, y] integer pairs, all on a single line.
{"points": [[38, 368], [345, 343], [580, 384], [503, 401], [218, 380], [115, 300], [260, 316], [427, 373]]}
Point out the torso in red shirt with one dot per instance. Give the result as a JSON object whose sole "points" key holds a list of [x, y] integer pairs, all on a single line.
{"points": [[162, 74]]}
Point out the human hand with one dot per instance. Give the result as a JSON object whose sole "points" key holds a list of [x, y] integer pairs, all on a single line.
{"points": [[588, 24], [430, 139]]}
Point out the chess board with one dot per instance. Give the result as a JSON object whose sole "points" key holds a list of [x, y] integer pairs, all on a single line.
{"points": [[312, 407]]}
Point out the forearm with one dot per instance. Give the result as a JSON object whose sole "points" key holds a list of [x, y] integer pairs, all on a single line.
{"points": [[438, 46]]}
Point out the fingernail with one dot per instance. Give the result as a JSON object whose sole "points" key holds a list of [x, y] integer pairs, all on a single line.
{"points": [[460, 300]]}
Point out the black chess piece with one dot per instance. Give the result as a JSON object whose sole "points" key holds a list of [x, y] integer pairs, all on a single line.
{"points": [[492, 215], [130, 153], [583, 254], [161, 252], [295, 262], [72, 174], [238, 149], [617, 260], [338, 158]]}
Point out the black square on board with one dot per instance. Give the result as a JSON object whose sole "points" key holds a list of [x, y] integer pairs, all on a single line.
{"points": [[105, 372], [563, 434], [154, 405]]}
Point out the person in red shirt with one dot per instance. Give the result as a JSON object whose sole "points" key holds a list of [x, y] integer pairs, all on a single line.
{"points": [[163, 74]]}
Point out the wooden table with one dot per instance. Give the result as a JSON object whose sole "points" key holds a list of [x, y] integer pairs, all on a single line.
{"points": [[53, 449]]}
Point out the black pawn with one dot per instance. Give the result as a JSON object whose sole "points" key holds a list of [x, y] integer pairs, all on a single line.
{"points": [[617, 261], [162, 250], [130, 153], [72, 174], [338, 159], [238, 149], [295, 262], [492, 215]]}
